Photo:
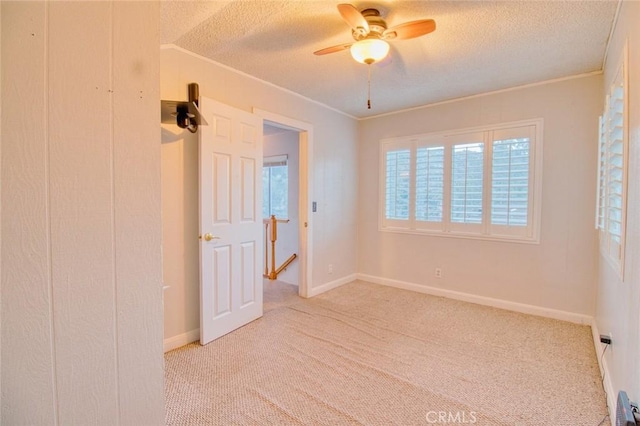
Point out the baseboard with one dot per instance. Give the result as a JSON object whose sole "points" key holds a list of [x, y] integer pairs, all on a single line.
{"points": [[181, 339], [604, 372], [482, 300], [314, 291]]}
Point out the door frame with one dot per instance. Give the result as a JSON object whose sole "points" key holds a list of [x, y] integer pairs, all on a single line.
{"points": [[305, 191]]}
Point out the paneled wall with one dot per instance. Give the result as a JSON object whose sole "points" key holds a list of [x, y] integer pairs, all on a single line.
{"points": [[81, 327]]}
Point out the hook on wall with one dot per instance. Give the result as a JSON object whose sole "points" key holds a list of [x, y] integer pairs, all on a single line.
{"points": [[184, 113]]}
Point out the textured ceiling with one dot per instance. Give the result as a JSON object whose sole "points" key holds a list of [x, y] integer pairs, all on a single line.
{"points": [[478, 46]]}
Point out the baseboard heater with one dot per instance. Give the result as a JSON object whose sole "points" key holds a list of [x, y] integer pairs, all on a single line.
{"points": [[626, 412]]}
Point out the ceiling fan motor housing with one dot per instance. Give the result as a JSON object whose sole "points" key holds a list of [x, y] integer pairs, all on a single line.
{"points": [[377, 25]]}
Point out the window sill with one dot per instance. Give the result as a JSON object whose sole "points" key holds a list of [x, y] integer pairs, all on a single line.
{"points": [[461, 235]]}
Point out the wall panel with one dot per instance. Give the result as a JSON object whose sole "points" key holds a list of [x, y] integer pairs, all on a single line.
{"points": [[27, 335], [137, 208], [79, 80]]}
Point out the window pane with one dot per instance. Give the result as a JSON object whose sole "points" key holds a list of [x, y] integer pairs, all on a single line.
{"points": [[265, 192], [398, 176], [466, 183], [510, 182], [279, 181], [429, 183], [275, 189]]}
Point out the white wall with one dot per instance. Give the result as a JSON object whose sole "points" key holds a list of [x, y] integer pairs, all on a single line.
{"points": [[0, 214], [334, 180], [81, 286], [179, 232], [287, 143], [618, 307], [559, 273]]}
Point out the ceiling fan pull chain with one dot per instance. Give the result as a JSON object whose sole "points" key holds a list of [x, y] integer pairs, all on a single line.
{"points": [[369, 87]]}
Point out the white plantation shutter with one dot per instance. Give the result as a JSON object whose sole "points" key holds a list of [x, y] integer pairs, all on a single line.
{"points": [[601, 196], [615, 164], [612, 176], [429, 184], [397, 184], [480, 183], [512, 180], [467, 182]]}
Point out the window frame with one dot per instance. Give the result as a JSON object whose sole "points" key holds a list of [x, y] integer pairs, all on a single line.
{"points": [[446, 228]]}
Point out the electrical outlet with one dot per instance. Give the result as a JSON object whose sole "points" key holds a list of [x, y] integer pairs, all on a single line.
{"points": [[330, 269], [438, 273]]}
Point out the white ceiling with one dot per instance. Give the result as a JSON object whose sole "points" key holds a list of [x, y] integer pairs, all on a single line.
{"points": [[478, 46]]}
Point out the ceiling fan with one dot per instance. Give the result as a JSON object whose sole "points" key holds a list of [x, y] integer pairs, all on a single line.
{"points": [[370, 32]]}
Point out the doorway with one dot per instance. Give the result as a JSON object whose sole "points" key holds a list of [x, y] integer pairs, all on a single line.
{"points": [[288, 140], [280, 189]]}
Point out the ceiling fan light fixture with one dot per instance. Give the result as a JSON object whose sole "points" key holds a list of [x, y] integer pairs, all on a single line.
{"points": [[369, 50]]}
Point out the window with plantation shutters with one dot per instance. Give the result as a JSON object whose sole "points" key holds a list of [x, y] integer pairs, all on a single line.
{"points": [[612, 173], [474, 183]]}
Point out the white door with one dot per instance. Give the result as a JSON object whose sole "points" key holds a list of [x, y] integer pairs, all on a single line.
{"points": [[230, 219]]}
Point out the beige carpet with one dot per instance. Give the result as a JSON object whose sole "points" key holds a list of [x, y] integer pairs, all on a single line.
{"points": [[373, 355]]}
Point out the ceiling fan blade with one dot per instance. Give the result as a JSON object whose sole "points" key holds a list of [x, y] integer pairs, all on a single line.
{"points": [[410, 29], [354, 18], [333, 49]]}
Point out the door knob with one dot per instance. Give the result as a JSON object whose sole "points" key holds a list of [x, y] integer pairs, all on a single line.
{"points": [[208, 237]]}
